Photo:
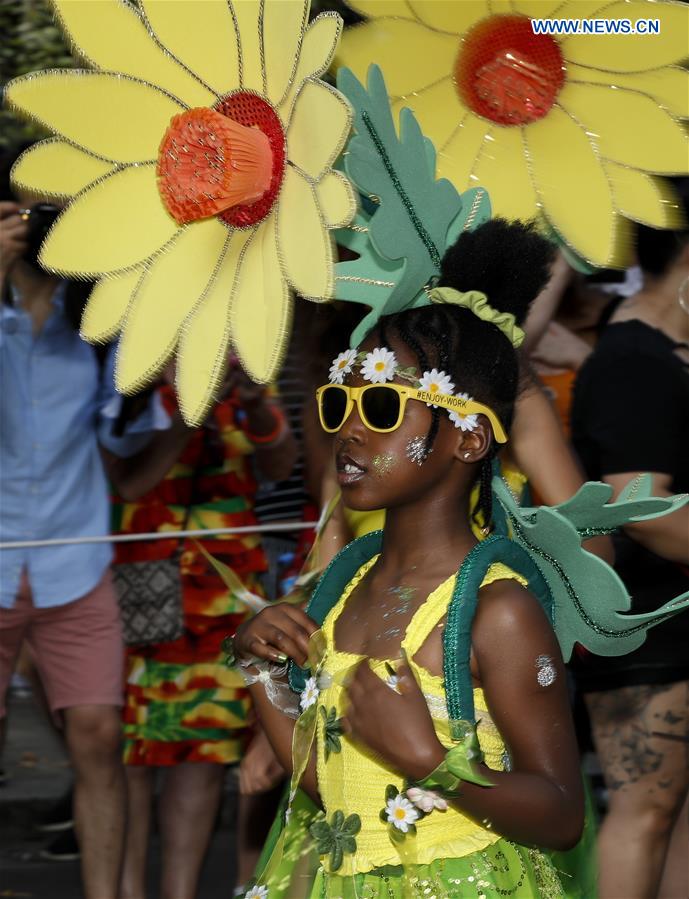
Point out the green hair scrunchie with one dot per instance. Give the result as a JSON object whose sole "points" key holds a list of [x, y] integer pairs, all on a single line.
{"points": [[477, 302]]}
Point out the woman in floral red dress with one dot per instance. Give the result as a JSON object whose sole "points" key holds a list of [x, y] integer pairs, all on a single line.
{"points": [[185, 711]]}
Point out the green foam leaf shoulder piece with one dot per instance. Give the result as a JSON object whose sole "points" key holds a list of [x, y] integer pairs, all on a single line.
{"points": [[589, 599], [591, 513]]}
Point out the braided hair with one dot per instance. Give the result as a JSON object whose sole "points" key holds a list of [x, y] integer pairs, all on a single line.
{"points": [[509, 262]]}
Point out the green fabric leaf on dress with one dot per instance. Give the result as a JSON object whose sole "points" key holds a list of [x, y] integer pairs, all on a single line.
{"points": [[332, 731], [337, 837]]}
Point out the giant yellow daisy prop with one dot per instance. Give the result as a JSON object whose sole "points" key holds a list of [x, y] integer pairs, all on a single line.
{"points": [[197, 154], [571, 129]]}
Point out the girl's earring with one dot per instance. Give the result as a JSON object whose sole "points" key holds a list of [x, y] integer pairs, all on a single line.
{"points": [[466, 455], [682, 297]]}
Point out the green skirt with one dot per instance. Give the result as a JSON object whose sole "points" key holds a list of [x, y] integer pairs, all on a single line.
{"points": [[502, 869]]}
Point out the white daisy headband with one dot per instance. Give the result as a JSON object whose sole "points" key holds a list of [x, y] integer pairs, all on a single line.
{"points": [[380, 366]]}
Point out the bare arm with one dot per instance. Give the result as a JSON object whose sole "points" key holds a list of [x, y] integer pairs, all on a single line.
{"points": [[541, 800], [275, 459], [543, 454], [278, 633], [136, 475], [667, 536], [546, 303]]}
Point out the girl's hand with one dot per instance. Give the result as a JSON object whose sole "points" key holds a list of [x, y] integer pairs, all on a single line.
{"points": [[259, 770], [395, 725], [278, 632]]}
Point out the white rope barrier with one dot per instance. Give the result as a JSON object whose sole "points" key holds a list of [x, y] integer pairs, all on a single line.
{"points": [[277, 527]]}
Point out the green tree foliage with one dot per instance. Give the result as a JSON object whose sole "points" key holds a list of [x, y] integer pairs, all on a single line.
{"points": [[30, 41]]}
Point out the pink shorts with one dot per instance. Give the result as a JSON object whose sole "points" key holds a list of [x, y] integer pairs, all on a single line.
{"points": [[77, 647]]}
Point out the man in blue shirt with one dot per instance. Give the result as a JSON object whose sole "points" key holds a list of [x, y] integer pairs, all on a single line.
{"points": [[54, 402]]}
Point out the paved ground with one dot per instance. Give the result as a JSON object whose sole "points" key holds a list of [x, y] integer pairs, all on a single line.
{"points": [[38, 775]]}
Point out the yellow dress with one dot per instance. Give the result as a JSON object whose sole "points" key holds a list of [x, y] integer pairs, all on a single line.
{"points": [[451, 855]]}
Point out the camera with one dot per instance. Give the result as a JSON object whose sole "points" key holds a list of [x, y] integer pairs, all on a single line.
{"points": [[40, 219]]}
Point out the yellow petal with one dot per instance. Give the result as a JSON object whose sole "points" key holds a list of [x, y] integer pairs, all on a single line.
{"points": [[203, 36], [410, 55], [261, 309], [437, 108], [374, 9], [247, 16], [284, 22], [107, 305], [317, 51], [113, 225], [319, 127], [669, 86], [336, 198], [643, 198], [173, 285], [572, 186], [57, 169], [502, 169], [111, 115], [541, 8], [457, 159], [629, 127], [204, 340], [303, 239], [112, 36], [633, 52], [451, 17], [500, 7]]}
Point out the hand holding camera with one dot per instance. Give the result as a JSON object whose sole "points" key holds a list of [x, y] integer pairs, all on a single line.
{"points": [[13, 236], [22, 231]]}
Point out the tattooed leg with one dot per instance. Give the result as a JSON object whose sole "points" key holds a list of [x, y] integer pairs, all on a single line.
{"points": [[641, 735], [675, 880]]}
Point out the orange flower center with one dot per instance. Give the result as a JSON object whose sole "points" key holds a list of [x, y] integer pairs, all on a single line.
{"points": [[506, 73], [379, 366], [228, 161]]}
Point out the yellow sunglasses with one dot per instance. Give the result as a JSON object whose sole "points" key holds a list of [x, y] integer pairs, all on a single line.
{"points": [[381, 406]]}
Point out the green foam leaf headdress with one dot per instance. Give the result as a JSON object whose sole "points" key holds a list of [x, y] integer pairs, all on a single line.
{"points": [[415, 217]]}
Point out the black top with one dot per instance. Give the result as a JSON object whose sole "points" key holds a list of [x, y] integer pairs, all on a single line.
{"points": [[631, 413]]}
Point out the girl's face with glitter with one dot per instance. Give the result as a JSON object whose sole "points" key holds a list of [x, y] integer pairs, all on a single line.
{"points": [[383, 471]]}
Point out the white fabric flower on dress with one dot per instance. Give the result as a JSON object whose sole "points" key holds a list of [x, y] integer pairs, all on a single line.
{"points": [[342, 365], [257, 892], [426, 800], [379, 366], [309, 694], [465, 422], [401, 813], [435, 381]]}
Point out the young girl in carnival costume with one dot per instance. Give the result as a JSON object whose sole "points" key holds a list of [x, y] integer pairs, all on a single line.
{"points": [[420, 697], [415, 800], [426, 674]]}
